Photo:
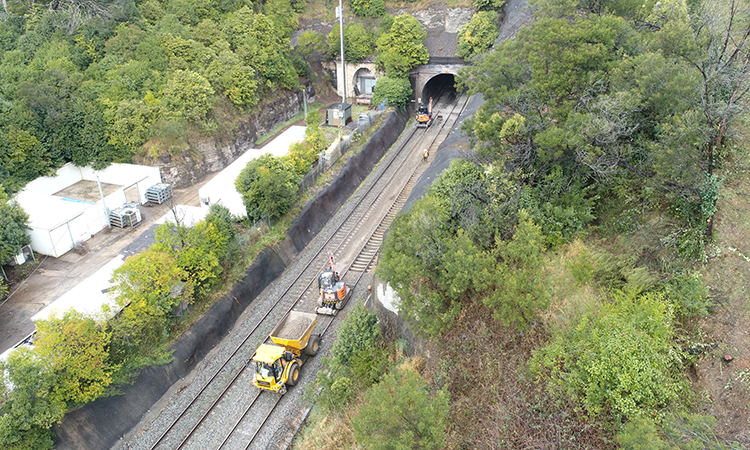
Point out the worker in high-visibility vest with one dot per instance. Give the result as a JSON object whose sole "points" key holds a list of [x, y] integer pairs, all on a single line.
{"points": [[425, 155]]}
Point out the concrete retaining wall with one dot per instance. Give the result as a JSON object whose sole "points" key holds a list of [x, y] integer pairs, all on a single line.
{"points": [[100, 424]]}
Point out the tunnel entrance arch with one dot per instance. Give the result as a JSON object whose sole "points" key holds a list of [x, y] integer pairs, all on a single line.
{"points": [[444, 83], [429, 78]]}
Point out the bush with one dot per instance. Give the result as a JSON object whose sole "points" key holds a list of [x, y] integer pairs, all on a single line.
{"points": [[619, 359], [683, 431], [268, 186], [28, 409], [478, 35], [402, 47], [488, 5], [368, 8], [688, 294], [359, 42], [392, 91], [401, 413], [360, 331], [356, 360], [76, 349]]}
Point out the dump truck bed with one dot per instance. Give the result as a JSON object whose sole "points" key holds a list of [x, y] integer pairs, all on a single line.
{"points": [[294, 330]]}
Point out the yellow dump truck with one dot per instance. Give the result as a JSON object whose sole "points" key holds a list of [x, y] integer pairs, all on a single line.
{"points": [[277, 363]]}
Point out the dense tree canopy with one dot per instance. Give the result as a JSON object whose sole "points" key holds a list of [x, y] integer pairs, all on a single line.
{"points": [[93, 88], [603, 101]]}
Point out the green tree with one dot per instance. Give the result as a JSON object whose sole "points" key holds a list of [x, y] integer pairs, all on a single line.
{"points": [[478, 35], [282, 13], [188, 95], [367, 8], [255, 39], [359, 42], [519, 290], [359, 332], [130, 122], [29, 408], [309, 43], [268, 186], [356, 361], [237, 81], [401, 413], [147, 286], [402, 47], [488, 5], [75, 348], [13, 225], [433, 269], [393, 91], [197, 250]]}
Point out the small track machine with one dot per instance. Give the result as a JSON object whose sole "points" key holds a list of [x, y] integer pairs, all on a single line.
{"points": [[333, 291], [424, 115]]}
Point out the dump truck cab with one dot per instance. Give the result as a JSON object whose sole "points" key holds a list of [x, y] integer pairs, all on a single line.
{"points": [[277, 363], [333, 291], [269, 367]]}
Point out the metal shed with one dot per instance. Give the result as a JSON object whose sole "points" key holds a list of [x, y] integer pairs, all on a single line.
{"points": [[339, 114]]}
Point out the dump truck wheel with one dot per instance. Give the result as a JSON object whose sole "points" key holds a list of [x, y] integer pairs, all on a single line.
{"points": [[293, 374], [313, 346]]}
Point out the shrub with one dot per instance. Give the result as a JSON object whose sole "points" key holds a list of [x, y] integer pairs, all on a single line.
{"points": [[400, 412], [28, 409], [268, 186], [392, 91], [488, 5], [368, 8], [356, 360], [359, 42], [478, 35], [402, 47], [688, 294], [360, 331], [619, 359]]}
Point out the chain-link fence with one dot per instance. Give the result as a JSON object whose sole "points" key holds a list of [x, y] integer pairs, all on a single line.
{"points": [[338, 149]]}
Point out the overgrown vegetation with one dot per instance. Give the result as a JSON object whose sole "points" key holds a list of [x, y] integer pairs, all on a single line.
{"points": [[554, 272]]}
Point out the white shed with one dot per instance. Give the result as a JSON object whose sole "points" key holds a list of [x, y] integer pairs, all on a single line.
{"points": [[68, 208]]}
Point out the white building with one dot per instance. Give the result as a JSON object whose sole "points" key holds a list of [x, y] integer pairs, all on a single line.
{"points": [[72, 206]]}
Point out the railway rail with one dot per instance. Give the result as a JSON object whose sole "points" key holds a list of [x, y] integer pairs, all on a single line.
{"points": [[357, 239]]}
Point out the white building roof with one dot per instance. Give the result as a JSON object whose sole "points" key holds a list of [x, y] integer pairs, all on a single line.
{"points": [[88, 296]]}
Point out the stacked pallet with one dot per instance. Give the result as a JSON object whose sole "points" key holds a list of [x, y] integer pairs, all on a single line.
{"points": [[129, 215], [159, 193]]}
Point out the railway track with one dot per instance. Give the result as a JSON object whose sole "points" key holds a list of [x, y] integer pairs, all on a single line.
{"points": [[356, 239]]}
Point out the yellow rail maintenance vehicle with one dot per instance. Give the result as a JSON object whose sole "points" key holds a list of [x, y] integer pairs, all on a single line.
{"points": [[277, 363]]}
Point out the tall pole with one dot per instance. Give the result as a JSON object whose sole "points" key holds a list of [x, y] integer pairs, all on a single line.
{"points": [[343, 62]]}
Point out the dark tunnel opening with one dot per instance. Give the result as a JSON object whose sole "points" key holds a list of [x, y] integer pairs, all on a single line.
{"points": [[442, 88]]}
